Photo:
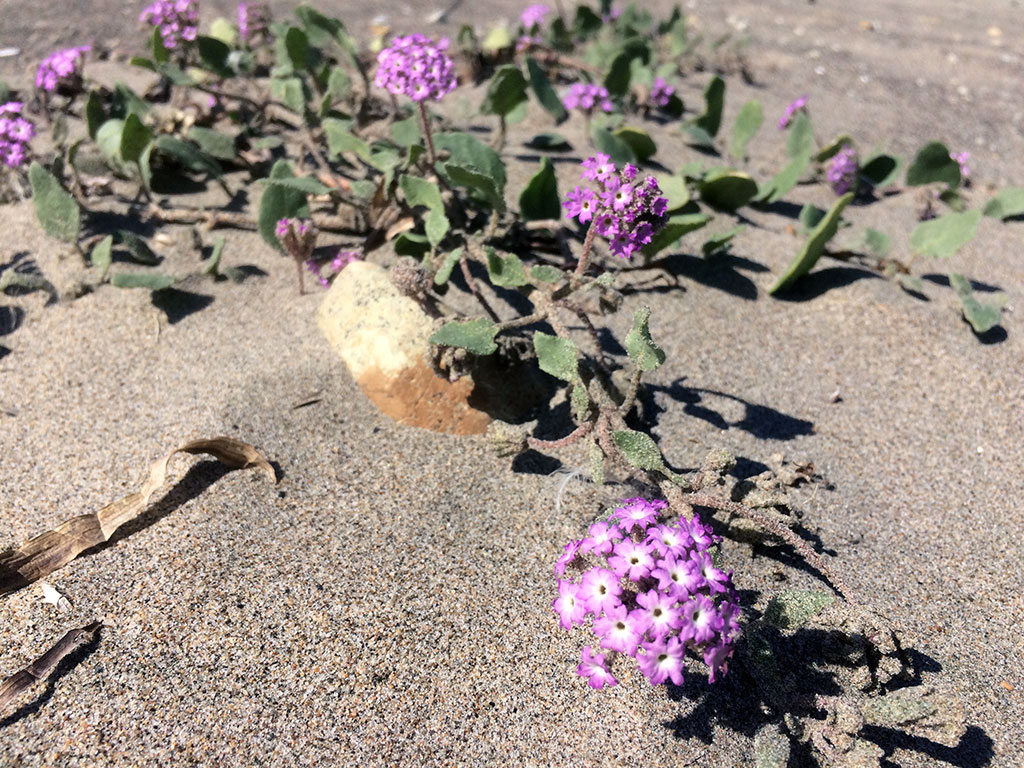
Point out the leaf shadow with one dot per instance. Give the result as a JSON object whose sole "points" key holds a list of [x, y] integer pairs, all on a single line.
{"points": [[177, 304], [722, 272], [814, 284]]}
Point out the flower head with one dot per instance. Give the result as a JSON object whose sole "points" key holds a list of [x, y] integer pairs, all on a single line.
{"points": [[661, 93], [962, 158], [177, 20], [61, 69], [842, 173], [417, 67], [15, 133], [663, 661], [593, 668], [253, 23], [586, 97], [533, 15], [794, 106]]}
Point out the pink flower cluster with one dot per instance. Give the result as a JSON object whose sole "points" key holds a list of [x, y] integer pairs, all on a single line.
{"points": [[586, 97], [338, 263], [533, 15], [177, 20], [659, 596], [417, 67], [962, 159], [661, 93], [61, 69], [794, 106], [15, 134], [842, 173], [623, 210], [253, 23]]}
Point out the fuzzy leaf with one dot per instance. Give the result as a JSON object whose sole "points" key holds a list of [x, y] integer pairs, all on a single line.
{"points": [[639, 449], [605, 141], [436, 226], [880, 170], [506, 270], [471, 153], [618, 77], [137, 248], [675, 190], [643, 146], [727, 190], [412, 244], [810, 216], [134, 138], [211, 265], [697, 136], [56, 209], [942, 237], [719, 242], [545, 273], [506, 91], [714, 101], [800, 135], [100, 256], [596, 461], [549, 141], [214, 143], [476, 336], [477, 180], [556, 356], [676, 227], [544, 91], [213, 55], [579, 401], [341, 139], [814, 246], [645, 354], [748, 123], [539, 200], [95, 115], [877, 243], [784, 180], [278, 202], [447, 265], [834, 148], [187, 154], [154, 281], [983, 316], [1008, 203], [933, 164], [792, 608], [420, 192], [406, 133]]}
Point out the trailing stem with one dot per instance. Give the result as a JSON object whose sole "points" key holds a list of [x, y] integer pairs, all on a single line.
{"points": [[425, 122]]}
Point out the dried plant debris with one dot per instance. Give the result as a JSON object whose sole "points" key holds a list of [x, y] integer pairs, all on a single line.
{"points": [[45, 664], [44, 554]]}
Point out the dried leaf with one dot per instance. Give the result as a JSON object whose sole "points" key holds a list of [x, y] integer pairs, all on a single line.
{"points": [[41, 667], [46, 553]]}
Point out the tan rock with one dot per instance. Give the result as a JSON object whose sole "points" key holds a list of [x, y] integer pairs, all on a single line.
{"points": [[381, 336]]}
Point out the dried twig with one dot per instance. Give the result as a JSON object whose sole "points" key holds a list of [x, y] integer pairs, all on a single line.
{"points": [[45, 664]]}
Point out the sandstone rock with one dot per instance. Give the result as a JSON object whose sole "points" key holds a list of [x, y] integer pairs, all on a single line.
{"points": [[381, 336]]}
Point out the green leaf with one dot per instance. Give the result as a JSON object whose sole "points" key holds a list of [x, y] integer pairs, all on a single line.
{"points": [[101, 256], [876, 242], [476, 336], [188, 155], [540, 200], [340, 139], [719, 242], [697, 136], [214, 143], [792, 608], [213, 55], [212, 264], [544, 91], [748, 123], [676, 227], [983, 317], [278, 202], [714, 100], [645, 354], [135, 137], [505, 271], [419, 191], [290, 92], [933, 164], [496, 40], [643, 146], [477, 180], [437, 226], [579, 401], [618, 77], [56, 210], [412, 244], [154, 281], [942, 237], [596, 462], [549, 141], [814, 246], [95, 115], [108, 139], [137, 248], [810, 216], [800, 135], [305, 184], [471, 153], [727, 190], [784, 181], [880, 170], [125, 101], [1007, 204], [605, 141], [406, 133], [447, 265], [506, 91], [545, 273], [834, 147], [223, 30], [954, 200], [640, 450], [556, 356], [674, 189], [156, 45], [320, 29]]}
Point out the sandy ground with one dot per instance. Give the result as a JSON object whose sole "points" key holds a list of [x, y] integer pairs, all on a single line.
{"points": [[388, 602]]}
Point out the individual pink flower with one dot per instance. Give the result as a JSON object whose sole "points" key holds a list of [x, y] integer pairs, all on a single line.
{"points": [[637, 512], [600, 590], [701, 621], [632, 559], [602, 538], [662, 610], [663, 661], [619, 630], [593, 668], [567, 556], [567, 605]]}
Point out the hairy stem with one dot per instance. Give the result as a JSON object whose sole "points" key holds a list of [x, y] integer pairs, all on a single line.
{"points": [[474, 289], [581, 431], [588, 244], [425, 122]]}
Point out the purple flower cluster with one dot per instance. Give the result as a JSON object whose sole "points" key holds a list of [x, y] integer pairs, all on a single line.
{"points": [[623, 210], [661, 93], [962, 159], [61, 69], [533, 15], [177, 20], [794, 107], [842, 173], [417, 67], [253, 23], [586, 97], [338, 263], [297, 236], [659, 595], [15, 134]]}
